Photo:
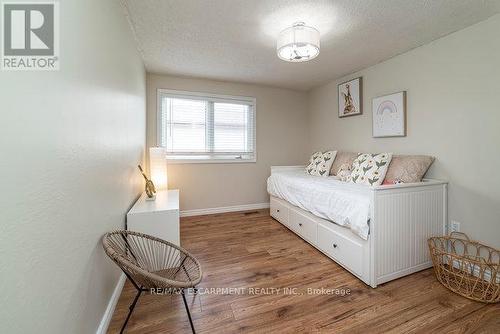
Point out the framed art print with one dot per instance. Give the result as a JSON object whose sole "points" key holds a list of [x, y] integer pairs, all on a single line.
{"points": [[389, 115], [349, 94]]}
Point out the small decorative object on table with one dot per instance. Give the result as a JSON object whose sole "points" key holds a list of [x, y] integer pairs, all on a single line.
{"points": [[466, 267], [150, 187]]}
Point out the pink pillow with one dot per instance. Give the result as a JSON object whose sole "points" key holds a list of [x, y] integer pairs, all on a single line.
{"points": [[407, 168]]}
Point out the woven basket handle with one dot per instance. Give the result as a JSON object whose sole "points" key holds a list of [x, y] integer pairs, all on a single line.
{"points": [[460, 235]]}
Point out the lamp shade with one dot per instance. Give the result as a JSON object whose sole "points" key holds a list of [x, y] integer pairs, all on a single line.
{"points": [[158, 167], [298, 43]]}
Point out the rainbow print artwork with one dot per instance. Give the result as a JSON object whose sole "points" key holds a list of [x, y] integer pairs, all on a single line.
{"points": [[387, 107], [389, 115]]}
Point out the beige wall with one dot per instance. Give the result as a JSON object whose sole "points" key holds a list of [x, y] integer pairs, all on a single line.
{"points": [[281, 140], [70, 143], [453, 99]]}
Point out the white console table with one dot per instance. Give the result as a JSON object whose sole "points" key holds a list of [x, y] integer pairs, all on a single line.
{"points": [[159, 218]]}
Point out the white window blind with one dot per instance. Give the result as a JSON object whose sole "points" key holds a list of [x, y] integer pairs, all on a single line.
{"points": [[205, 127]]}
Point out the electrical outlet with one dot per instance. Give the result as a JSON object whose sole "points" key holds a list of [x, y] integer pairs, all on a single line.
{"points": [[454, 226]]}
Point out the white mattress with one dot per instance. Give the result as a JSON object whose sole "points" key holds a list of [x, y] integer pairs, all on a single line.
{"points": [[346, 204]]}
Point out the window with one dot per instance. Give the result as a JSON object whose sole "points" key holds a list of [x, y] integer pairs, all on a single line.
{"points": [[200, 127]]}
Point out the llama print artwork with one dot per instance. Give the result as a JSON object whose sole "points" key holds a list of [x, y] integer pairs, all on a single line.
{"points": [[389, 115], [349, 97]]}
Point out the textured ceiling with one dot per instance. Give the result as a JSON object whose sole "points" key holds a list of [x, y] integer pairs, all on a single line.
{"points": [[235, 39]]}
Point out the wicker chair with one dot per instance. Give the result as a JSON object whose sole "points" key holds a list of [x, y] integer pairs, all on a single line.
{"points": [[152, 263]]}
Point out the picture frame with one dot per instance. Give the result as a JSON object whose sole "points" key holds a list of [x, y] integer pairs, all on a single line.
{"points": [[389, 115], [350, 97]]}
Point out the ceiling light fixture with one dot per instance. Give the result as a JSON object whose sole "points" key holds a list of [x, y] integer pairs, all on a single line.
{"points": [[298, 43]]}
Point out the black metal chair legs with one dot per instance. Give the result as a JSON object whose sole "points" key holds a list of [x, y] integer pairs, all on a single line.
{"points": [[188, 312], [140, 291], [131, 309]]}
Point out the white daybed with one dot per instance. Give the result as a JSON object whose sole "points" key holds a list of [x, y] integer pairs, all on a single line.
{"points": [[380, 233]]}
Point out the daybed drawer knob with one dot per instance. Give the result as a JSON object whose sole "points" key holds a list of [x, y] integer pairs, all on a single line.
{"points": [[300, 224], [334, 245], [277, 210]]}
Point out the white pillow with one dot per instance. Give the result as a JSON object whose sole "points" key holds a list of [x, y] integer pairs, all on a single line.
{"points": [[370, 169], [320, 163]]}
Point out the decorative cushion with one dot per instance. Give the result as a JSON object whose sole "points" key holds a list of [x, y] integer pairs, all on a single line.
{"points": [[370, 169], [408, 168], [342, 158], [320, 163], [344, 172]]}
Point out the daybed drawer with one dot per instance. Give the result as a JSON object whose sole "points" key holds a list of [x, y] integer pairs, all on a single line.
{"points": [[303, 225], [343, 250], [279, 211]]}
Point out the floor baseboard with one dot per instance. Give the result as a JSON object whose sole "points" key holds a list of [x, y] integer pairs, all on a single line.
{"points": [[234, 208], [108, 314]]}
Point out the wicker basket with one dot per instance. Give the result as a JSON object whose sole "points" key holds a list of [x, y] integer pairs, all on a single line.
{"points": [[466, 267]]}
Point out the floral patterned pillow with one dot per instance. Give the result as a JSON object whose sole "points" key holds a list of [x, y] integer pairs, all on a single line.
{"points": [[370, 169], [320, 163]]}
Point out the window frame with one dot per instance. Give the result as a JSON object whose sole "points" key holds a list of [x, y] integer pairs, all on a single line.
{"points": [[197, 158]]}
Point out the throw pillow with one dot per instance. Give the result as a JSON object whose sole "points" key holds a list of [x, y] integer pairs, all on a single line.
{"points": [[370, 169], [344, 172], [320, 163], [342, 158], [408, 168]]}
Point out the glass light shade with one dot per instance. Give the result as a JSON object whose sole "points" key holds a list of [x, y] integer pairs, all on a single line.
{"points": [[298, 43], [158, 167]]}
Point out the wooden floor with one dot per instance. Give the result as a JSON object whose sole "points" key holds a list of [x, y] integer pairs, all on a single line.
{"points": [[251, 250]]}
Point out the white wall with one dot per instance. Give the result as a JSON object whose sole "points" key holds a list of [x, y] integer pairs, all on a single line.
{"points": [[281, 140], [70, 143], [453, 99]]}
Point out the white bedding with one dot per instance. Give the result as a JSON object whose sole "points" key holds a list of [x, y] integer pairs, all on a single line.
{"points": [[346, 204]]}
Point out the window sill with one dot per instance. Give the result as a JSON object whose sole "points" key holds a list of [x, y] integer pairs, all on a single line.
{"points": [[175, 161]]}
